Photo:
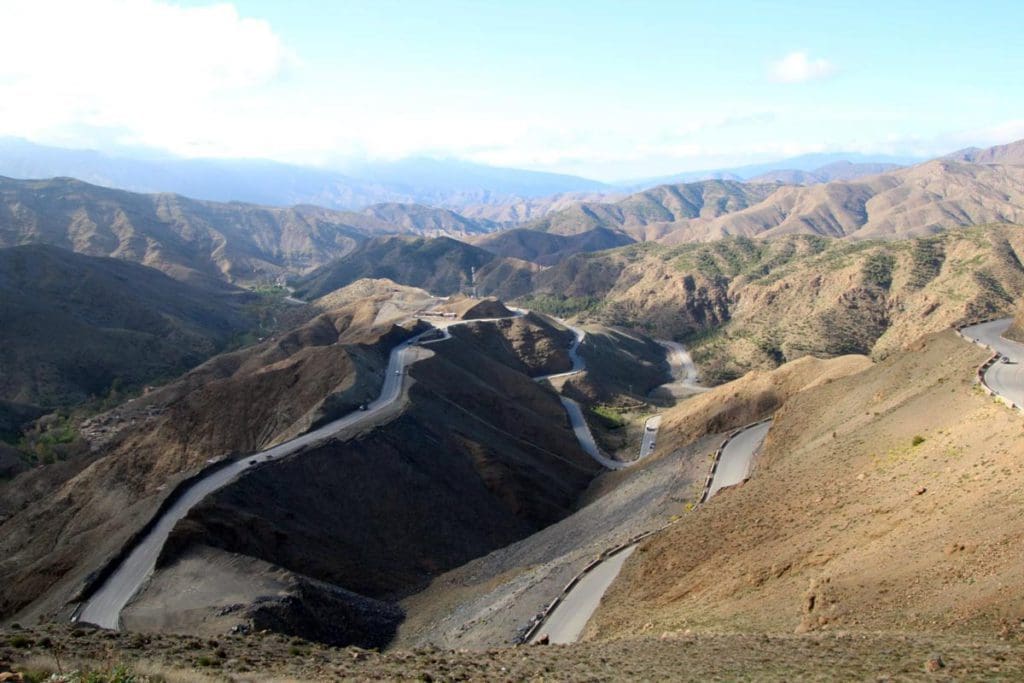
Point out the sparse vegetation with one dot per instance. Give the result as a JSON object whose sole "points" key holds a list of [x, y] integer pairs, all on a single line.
{"points": [[610, 418], [561, 306], [927, 256]]}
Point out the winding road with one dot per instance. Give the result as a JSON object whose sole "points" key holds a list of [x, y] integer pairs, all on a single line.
{"points": [[566, 621], [1006, 379], [737, 456], [104, 606]]}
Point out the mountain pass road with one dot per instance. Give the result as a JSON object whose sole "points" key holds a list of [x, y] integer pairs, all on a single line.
{"points": [[1006, 379]]}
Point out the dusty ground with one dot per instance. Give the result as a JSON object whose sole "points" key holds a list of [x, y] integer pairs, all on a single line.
{"points": [[670, 656], [889, 500]]}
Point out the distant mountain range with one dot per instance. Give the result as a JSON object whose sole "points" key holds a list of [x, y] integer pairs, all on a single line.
{"points": [[949, 192], [828, 166], [480, 191], [449, 183], [209, 243]]}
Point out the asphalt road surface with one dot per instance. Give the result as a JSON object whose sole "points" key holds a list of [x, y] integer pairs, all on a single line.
{"points": [[104, 607], [650, 436], [585, 437], [734, 464], [567, 621], [1006, 379]]}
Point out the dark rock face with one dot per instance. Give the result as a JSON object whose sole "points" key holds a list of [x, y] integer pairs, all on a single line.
{"points": [[320, 612]]}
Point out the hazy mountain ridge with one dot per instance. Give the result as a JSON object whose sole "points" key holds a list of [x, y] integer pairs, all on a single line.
{"points": [[839, 170], [642, 215], [198, 240], [923, 199], [1011, 153], [415, 181]]}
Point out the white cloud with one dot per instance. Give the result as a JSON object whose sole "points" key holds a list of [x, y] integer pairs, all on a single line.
{"points": [[798, 67], [136, 66]]}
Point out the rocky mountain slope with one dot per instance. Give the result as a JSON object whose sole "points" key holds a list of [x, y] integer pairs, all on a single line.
{"points": [[972, 188], [75, 327], [647, 215], [885, 501], [201, 241], [457, 610], [481, 456], [548, 249], [747, 303], [61, 522], [440, 265]]}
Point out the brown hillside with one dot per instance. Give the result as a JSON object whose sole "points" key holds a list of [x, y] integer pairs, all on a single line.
{"points": [[648, 214], [919, 200], [1012, 153], [884, 501], [1016, 330], [744, 303], [64, 521]]}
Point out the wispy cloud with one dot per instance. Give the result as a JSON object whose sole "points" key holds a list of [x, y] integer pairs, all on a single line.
{"points": [[799, 67]]}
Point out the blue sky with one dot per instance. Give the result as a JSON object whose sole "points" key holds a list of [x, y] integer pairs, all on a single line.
{"points": [[605, 89]]}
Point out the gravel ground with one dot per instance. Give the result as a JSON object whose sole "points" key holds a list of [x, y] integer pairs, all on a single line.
{"points": [[668, 656], [489, 601]]}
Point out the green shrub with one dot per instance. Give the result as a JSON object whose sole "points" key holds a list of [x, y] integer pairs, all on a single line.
{"points": [[918, 440]]}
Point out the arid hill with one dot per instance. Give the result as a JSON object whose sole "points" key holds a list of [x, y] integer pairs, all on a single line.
{"points": [[74, 327], [915, 201], [1012, 153], [548, 249], [745, 303], [421, 220], [840, 170], [60, 522], [971, 188], [523, 210], [646, 215], [202, 241], [885, 501], [481, 457], [440, 265]]}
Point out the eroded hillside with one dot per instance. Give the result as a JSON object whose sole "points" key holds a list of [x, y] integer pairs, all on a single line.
{"points": [[63, 521], [888, 500], [746, 304]]}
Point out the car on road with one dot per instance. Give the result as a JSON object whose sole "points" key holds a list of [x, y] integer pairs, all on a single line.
{"points": [[253, 461], [363, 406], [1005, 360]]}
